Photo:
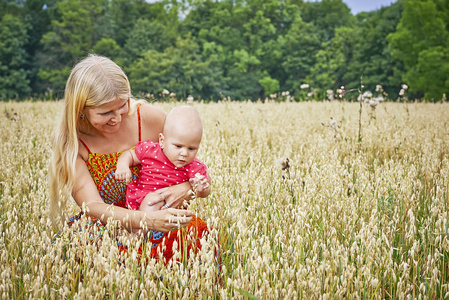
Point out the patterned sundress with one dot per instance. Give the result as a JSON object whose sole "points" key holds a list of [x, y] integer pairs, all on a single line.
{"points": [[102, 169]]}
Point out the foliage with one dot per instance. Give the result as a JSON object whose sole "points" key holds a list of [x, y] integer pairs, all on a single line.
{"points": [[421, 42], [13, 58], [249, 48]]}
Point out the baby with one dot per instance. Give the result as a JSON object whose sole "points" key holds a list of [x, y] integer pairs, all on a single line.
{"points": [[169, 162]]}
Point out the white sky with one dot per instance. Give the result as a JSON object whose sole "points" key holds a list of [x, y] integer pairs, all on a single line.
{"points": [[357, 6]]}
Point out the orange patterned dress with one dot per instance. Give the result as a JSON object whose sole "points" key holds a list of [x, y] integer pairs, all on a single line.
{"points": [[102, 169]]}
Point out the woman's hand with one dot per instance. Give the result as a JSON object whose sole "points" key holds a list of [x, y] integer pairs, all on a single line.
{"points": [[152, 199], [175, 195], [167, 220]]}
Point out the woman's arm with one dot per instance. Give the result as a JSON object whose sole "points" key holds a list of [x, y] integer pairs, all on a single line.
{"points": [[85, 193], [174, 196]]}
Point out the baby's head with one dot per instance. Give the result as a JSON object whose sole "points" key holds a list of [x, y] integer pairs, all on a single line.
{"points": [[182, 135]]}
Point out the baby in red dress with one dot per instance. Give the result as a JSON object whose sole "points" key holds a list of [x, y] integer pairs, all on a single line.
{"points": [[169, 162]]}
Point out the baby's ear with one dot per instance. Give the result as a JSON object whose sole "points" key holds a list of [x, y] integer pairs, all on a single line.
{"points": [[161, 140]]}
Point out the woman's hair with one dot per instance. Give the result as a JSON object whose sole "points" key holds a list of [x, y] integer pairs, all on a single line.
{"points": [[94, 81]]}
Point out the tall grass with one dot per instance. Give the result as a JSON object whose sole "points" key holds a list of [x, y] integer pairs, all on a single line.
{"points": [[347, 219]]}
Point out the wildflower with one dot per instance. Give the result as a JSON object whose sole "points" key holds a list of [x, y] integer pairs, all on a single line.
{"points": [[404, 86], [330, 94], [373, 103], [304, 86], [190, 99], [172, 95], [366, 96], [284, 163], [402, 92], [341, 91], [273, 96], [165, 92], [285, 93], [333, 123], [379, 88]]}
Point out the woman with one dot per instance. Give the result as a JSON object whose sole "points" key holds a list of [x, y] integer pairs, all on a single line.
{"points": [[100, 120]]}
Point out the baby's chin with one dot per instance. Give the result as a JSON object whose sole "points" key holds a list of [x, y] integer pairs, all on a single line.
{"points": [[180, 164]]}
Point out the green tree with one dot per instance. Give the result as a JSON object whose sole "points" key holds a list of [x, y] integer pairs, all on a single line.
{"points": [[371, 55], [421, 42], [179, 69], [72, 36], [109, 48], [332, 61], [13, 58], [147, 35], [124, 14], [327, 16], [300, 46]]}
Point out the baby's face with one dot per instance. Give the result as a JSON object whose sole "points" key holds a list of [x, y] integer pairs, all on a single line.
{"points": [[180, 147]]}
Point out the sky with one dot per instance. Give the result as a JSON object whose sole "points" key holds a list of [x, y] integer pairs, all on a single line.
{"points": [[357, 6]]}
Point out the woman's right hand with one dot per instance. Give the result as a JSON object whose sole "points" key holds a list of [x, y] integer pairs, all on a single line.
{"points": [[167, 219]]}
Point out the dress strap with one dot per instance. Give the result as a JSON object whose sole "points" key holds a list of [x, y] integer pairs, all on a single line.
{"points": [[88, 150], [138, 119]]}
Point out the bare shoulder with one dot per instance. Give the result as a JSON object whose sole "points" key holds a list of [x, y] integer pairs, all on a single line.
{"points": [[151, 113], [82, 151], [153, 119]]}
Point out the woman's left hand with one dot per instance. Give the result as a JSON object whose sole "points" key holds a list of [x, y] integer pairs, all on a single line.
{"points": [[175, 195]]}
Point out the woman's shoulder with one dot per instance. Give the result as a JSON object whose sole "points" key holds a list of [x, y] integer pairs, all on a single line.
{"points": [[152, 119], [82, 150], [151, 112]]}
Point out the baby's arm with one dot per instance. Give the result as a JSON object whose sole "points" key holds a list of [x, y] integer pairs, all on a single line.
{"points": [[124, 162], [203, 187]]}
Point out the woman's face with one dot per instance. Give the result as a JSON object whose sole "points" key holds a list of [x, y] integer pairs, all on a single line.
{"points": [[106, 118]]}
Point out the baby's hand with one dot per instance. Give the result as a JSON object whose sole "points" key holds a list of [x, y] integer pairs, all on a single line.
{"points": [[200, 182], [123, 174]]}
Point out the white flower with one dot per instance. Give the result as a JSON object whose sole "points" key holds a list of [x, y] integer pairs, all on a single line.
{"points": [[404, 86], [273, 96], [402, 92], [165, 92], [379, 98], [333, 123], [172, 95], [373, 103], [189, 99], [304, 86], [367, 94], [379, 88]]}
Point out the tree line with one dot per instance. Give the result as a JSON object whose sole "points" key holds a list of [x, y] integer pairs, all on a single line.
{"points": [[243, 49]]}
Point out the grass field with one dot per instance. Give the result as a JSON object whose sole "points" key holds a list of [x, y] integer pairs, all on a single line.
{"points": [[347, 219]]}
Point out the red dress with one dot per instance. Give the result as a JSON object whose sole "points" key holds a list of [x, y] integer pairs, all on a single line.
{"points": [[102, 169], [158, 172]]}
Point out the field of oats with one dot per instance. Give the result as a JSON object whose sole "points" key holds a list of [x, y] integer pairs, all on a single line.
{"points": [[344, 219]]}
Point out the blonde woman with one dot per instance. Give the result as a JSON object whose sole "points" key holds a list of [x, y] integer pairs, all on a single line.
{"points": [[100, 120]]}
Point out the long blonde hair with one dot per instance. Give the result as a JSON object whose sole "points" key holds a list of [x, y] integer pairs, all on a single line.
{"points": [[94, 81]]}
